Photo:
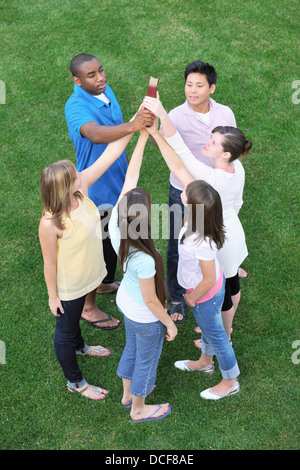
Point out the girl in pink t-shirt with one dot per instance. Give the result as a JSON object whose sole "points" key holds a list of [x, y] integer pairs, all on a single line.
{"points": [[200, 274]]}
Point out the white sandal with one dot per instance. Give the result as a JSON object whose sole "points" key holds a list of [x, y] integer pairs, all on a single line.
{"points": [[183, 365], [209, 395]]}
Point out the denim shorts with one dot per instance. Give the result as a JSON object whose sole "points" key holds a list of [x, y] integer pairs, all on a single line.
{"points": [[141, 355]]}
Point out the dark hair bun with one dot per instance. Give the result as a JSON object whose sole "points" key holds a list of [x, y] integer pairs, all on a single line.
{"points": [[248, 146]]}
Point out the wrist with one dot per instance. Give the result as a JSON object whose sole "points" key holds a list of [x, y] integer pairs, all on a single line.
{"points": [[163, 115], [191, 298], [130, 127], [52, 297]]}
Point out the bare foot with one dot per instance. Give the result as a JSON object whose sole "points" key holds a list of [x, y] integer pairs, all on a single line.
{"points": [[198, 365], [242, 273], [91, 392], [127, 397], [97, 351], [93, 314], [176, 316], [108, 288], [223, 387], [154, 411]]}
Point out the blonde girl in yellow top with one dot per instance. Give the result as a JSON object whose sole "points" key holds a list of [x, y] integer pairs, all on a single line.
{"points": [[70, 238]]}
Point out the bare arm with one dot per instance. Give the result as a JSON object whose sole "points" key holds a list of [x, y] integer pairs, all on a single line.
{"points": [[195, 168], [208, 281], [106, 134], [170, 156], [151, 300], [48, 235], [106, 159], [133, 171], [155, 106]]}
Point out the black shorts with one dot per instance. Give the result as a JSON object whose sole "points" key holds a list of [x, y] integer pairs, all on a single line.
{"points": [[232, 287]]}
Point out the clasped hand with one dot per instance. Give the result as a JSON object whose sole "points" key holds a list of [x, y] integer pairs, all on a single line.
{"points": [[143, 118], [155, 106]]}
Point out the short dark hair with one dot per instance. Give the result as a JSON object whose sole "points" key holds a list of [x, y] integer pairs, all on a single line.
{"points": [[78, 60], [204, 68]]}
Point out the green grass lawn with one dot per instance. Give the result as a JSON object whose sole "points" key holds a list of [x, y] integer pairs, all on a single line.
{"points": [[254, 47]]}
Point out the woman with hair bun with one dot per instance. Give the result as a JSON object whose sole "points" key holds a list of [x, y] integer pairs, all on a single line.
{"points": [[227, 177]]}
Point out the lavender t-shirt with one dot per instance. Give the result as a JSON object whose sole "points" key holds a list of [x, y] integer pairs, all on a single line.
{"points": [[195, 131]]}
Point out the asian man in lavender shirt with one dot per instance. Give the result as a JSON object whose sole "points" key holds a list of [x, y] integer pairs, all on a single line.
{"points": [[194, 120]]}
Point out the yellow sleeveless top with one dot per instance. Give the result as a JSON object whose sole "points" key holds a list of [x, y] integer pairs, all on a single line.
{"points": [[80, 263]]}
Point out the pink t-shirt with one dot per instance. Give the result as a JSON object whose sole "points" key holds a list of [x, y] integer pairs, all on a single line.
{"points": [[212, 292], [195, 131]]}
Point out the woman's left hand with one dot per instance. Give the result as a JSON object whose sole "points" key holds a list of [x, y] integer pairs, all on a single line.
{"points": [[188, 300], [171, 332]]}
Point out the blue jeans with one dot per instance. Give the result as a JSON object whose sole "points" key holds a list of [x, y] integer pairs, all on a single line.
{"points": [[141, 355], [176, 213], [68, 341], [214, 340]]}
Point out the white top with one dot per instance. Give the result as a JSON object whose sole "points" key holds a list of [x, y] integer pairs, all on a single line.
{"points": [[191, 251], [102, 97], [230, 187], [139, 266], [204, 117]]}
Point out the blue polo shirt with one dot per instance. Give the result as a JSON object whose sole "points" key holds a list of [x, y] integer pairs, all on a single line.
{"points": [[81, 108]]}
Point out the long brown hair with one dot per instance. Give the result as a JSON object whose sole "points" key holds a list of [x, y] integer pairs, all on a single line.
{"points": [[55, 187], [204, 213], [134, 211]]}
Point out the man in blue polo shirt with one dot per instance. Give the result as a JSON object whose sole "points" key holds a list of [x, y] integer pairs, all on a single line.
{"points": [[94, 119]]}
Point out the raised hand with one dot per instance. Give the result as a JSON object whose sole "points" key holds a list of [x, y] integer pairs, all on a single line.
{"points": [[154, 128], [155, 106], [142, 119]]}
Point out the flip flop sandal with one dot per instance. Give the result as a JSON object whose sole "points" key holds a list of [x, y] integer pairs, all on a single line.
{"points": [[94, 323], [180, 309], [97, 349], [152, 417], [116, 290], [98, 390], [118, 283]]}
